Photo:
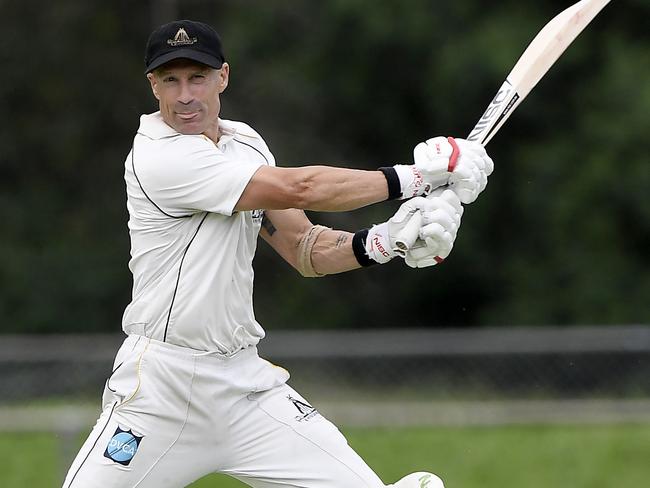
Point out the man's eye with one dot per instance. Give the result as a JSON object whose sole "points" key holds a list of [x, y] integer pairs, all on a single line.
{"points": [[169, 79], [198, 77]]}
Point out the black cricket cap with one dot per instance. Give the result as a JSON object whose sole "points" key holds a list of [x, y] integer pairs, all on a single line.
{"points": [[185, 39]]}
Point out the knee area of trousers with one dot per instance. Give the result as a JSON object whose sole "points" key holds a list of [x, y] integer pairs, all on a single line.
{"points": [[419, 480]]}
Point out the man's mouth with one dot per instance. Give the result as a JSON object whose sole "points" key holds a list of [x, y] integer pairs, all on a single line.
{"points": [[187, 115]]}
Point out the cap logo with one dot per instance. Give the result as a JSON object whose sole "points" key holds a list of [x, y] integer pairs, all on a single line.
{"points": [[181, 39]]}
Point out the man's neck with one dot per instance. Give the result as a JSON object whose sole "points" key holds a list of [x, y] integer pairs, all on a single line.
{"points": [[213, 132]]}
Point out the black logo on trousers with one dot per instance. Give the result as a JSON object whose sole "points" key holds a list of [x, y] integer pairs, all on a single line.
{"points": [[306, 410]]}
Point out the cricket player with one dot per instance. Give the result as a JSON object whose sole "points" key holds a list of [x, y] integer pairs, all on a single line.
{"points": [[188, 394]]}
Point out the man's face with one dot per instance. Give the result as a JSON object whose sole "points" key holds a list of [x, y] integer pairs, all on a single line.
{"points": [[188, 93]]}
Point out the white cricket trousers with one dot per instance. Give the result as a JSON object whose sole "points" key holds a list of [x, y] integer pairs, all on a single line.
{"points": [[172, 415]]}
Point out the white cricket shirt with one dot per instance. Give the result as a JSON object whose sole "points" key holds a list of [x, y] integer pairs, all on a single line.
{"points": [[191, 253]]}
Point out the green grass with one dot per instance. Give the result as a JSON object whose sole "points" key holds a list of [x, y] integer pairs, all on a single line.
{"points": [[28, 460], [478, 457]]}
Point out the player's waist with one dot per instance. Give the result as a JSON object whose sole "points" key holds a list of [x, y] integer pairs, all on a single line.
{"points": [[183, 352], [222, 338]]}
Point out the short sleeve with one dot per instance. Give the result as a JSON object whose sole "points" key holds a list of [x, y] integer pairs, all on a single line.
{"points": [[190, 174]]}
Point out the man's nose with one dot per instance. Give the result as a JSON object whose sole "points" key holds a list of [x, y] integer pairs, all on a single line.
{"points": [[185, 96]]}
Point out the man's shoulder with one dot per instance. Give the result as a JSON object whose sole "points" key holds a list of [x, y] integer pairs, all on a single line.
{"points": [[238, 128], [154, 127]]}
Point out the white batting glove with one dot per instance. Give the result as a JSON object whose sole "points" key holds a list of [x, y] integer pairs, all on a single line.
{"points": [[470, 176], [380, 243], [439, 227], [463, 165]]}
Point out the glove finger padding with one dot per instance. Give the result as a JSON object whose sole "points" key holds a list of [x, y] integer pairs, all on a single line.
{"points": [[406, 211], [421, 256], [429, 171], [441, 219], [465, 184], [447, 210], [469, 178], [433, 155], [438, 239], [450, 197], [476, 148], [444, 195], [438, 219], [440, 207], [487, 165], [430, 252]]}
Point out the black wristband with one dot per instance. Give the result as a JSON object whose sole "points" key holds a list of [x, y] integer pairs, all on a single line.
{"points": [[394, 186], [359, 248]]}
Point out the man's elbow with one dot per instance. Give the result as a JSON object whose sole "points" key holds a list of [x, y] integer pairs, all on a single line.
{"points": [[300, 192]]}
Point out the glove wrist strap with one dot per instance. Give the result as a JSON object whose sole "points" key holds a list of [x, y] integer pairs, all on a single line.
{"points": [[394, 185], [359, 248]]}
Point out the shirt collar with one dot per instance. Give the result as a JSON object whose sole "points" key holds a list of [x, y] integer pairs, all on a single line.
{"points": [[154, 127], [227, 132]]}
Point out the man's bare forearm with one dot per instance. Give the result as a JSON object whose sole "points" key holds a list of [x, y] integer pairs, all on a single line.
{"points": [[329, 189], [319, 188], [332, 253]]}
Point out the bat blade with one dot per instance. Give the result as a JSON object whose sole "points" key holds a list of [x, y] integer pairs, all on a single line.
{"points": [[547, 46]]}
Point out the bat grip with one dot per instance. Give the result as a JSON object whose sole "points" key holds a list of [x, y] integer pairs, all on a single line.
{"points": [[409, 234]]}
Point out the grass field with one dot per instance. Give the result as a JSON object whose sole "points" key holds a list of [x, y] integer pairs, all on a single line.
{"points": [[487, 457]]}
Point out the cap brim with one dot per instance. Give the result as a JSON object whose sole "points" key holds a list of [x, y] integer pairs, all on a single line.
{"points": [[197, 56]]}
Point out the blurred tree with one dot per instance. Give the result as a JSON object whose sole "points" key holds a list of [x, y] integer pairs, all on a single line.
{"points": [[560, 236]]}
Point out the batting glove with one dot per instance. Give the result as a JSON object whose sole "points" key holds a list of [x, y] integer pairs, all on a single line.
{"points": [[437, 222], [461, 164], [380, 243], [439, 227]]}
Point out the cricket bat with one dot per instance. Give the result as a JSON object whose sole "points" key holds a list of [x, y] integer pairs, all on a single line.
{"points": [[547, 46]]}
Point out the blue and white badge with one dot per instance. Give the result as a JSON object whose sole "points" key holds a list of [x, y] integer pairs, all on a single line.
{"points": [[122, 447]]}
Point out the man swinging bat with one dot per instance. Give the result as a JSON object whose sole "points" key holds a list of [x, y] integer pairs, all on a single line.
{"points": [[189, 394]]}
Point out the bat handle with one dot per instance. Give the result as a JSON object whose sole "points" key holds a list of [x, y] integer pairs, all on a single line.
{"points": [[409, 234]]}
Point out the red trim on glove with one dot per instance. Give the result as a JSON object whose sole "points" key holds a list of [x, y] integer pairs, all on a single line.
{"points": [[439, 259], [455, 153]]}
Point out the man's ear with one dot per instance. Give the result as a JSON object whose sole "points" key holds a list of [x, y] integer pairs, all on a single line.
{"points": [[224, 76], [153, 81]]}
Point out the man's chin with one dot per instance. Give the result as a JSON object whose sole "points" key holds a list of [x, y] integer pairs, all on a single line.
{"points": [[189, 128]]}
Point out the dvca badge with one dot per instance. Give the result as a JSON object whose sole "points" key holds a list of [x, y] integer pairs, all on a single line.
{"points": [[122, 447]]}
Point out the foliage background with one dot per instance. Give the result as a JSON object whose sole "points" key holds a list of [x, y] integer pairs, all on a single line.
{"points": [[561, 235]]}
